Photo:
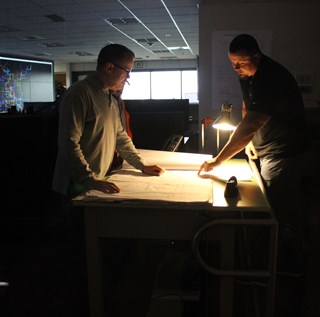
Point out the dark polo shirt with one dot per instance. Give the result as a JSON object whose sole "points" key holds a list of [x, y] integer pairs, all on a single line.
{"points": [[274, 91]]}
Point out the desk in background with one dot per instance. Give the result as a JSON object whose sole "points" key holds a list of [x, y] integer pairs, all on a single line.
{"points": [[157, 219]]}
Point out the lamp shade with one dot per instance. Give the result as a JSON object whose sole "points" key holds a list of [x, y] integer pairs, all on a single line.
{"points": [[224, 121]]}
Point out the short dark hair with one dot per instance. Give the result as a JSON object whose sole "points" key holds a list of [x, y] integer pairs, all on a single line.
{"points": [[113, 53], [246, 43]]}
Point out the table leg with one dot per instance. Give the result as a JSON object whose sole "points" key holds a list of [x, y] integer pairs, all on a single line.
{"points": [[94, 267]]}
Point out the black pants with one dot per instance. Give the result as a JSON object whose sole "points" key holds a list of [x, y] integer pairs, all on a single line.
{"points": [[282, 179]]}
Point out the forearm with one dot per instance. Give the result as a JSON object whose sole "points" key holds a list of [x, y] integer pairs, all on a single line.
{"points": [[246, 129], [237, 142], [127, 151], [243, 134]]}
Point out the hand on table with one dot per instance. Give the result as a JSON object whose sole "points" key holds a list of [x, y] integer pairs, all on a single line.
{"points": [[105, 187], [155, 170], [209, 165]]}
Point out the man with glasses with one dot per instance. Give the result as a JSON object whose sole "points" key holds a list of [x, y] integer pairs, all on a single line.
{"points": [[90, 128]]}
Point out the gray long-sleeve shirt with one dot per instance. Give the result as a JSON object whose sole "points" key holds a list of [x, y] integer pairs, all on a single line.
{"points": [[89, 131]]}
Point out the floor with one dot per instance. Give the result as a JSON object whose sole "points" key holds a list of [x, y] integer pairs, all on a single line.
{"points": [[46, 279]]}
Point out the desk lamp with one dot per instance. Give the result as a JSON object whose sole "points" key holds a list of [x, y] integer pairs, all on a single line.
{"points": [[224, 122]]}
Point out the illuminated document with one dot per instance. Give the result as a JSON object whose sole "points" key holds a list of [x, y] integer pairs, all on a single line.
{"points": [[179, 182]]}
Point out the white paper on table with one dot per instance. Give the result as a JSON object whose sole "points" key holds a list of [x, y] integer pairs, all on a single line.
{"points": [[227, 169], [172, 160], [171, 186]]}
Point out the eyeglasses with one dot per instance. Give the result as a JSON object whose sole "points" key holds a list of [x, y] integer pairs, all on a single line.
{"points": [[124, 69]]}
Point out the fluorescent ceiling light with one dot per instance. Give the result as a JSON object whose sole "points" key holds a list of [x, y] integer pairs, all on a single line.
{"points": [[174, 48]]}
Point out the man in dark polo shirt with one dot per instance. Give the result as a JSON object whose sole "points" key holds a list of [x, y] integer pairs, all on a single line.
{"points": [[272, 129]]}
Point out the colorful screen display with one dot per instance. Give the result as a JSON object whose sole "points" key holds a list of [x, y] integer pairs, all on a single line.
{"points": [[25, 80]]}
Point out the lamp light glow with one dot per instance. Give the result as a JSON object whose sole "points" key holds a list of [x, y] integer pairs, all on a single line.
{"points": [[224, 126], [224, 122]]}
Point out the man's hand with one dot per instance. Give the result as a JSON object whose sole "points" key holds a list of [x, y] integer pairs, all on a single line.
{"points": [[111, 188], [209, 165], [153, 170], [106, 187]]}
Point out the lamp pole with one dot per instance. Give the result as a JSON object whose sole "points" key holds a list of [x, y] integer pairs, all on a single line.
{"points": [[218, 141], [204, 122], [202, 135]]}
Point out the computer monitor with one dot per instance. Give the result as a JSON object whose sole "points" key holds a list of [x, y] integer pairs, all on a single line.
{"points": [[24, 79]]}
